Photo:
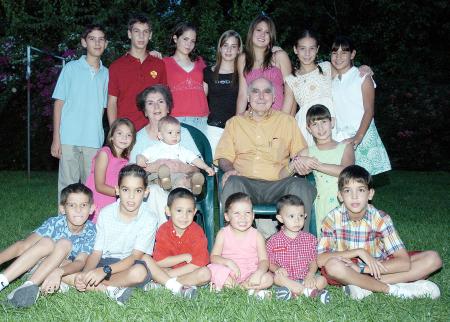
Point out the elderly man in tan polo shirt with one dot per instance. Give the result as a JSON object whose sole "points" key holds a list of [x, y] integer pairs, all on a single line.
{"points": [[256, 147]]}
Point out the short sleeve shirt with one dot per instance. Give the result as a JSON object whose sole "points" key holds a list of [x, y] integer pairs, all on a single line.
{"points": [[375, 233], [117, 238], [193, 241], [292, 254], [189, 97], [162, 150], [57, 228], [259, 150], [127, 78], [143, 141], [84, 92]]}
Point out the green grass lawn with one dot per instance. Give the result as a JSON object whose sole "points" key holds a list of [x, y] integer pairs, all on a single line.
{"points": [[419, 203]]}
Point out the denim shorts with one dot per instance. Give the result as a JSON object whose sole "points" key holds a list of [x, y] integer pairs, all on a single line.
{"points": [[108, 261]]}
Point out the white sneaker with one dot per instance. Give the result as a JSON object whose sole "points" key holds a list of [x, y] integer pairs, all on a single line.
{"points": [[261, 294], [420, 288], [151, 286], [120, 294], [431, 289], [356, 292], [188, 292]]}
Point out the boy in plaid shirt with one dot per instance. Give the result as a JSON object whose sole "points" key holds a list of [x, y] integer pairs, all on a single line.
{"points": [[360, 248], [292, 254]]}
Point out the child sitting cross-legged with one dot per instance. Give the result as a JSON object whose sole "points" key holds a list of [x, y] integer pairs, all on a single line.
{"points": [[125, 231], [53, 252], [239, 256], [361, 249], [169, 147], [181, 247], [292, 254]]}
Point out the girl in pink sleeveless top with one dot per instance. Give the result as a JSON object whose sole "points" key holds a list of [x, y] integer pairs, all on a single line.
{"points": [[259, 60], [239, 256], [107, 163]]}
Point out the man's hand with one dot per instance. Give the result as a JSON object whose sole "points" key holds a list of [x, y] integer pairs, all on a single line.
{"points": [[227, 174], [303, 165]]}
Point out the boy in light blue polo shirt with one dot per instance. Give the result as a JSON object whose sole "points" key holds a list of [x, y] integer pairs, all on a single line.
{"points": [[80, 98]]}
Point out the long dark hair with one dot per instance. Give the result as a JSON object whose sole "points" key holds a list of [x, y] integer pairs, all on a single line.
{"points": [[249, 52], [223, 38], [179, 29], [305, 34]]}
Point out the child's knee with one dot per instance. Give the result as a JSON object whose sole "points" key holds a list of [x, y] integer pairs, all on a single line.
{"points": [[137, 274], [64, 245], [204, 274], [267, 279], [434, 260], [46, 244], [321, 282], [335, 268]]}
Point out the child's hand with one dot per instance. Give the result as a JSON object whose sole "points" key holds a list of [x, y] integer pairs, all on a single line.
{"points": [[155, 54], [52, 282], [188, 258], [210, 171], [80, 285], [94, 277], [234, 268], [375, 266], [309, 282], [255, 279], [281, 272]]}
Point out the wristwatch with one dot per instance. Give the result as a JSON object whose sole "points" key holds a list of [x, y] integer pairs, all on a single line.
{"points": [[362, 266], [107, 269]]}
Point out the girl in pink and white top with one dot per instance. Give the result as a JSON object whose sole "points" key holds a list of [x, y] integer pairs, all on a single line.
{"points": [[259, 60], [310, 83], [239, 256], [108, 161], [185, 78]]}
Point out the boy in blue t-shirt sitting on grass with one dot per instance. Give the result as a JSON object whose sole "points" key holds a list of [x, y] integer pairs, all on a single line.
{"points": [[54, 251]]}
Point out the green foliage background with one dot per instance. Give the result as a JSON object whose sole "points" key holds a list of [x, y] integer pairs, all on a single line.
{"points": [[405, 42]]}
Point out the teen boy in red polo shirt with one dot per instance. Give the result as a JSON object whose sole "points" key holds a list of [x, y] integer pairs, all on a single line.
{"points": [[132, 73], [181, 244]]}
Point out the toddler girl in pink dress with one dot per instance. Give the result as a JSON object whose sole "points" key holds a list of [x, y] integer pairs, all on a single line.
{"points": [[239, 256]]}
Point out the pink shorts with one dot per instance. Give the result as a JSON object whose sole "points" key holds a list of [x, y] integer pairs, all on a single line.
{"points": [[220, 273]]}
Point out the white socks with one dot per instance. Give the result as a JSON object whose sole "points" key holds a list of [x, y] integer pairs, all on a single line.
{"points": [[307, 291], [173, 285], [3, 282]]}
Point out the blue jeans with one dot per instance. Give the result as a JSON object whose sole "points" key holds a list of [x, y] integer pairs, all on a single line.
{"points": [[197, 122]]}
